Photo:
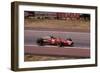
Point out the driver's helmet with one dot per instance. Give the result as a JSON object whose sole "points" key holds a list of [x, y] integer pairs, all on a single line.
{"points": [[69, 39], [52, 36]]}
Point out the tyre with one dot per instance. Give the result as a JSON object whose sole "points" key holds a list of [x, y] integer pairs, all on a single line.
{"points": [[61, 45], [40, 42], [72, 45]]}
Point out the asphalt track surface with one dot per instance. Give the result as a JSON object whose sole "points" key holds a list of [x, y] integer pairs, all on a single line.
{"points": [[80, 39], [60, 52]]}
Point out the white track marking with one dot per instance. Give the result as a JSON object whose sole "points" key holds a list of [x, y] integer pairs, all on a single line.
{"points": [[54, 46], [57, 31]]}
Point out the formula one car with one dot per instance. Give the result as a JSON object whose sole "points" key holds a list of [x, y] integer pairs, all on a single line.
{"points": [[51, 40]]}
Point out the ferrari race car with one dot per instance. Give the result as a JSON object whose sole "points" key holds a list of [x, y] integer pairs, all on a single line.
{"points": [[51, 40]]}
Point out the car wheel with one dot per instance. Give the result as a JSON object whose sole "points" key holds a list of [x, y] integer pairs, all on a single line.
{"points": [[72, 45], [40, 42], [61, 44]]}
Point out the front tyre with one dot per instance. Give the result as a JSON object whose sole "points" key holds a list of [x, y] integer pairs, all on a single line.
{"points": [[72, 44]]}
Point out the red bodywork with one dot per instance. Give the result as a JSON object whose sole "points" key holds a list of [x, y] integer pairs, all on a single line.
{"points": [[56, 41]]}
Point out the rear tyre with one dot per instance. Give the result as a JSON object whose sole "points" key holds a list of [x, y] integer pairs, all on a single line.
{"points": [[61, 45], [40, 42]]}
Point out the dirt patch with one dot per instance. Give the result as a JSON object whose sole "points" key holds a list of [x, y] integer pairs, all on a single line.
{"points": [[70, 25], [30, 57]]}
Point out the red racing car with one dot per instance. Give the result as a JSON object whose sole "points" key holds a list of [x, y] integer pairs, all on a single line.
{"points": [[51, 40]]}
